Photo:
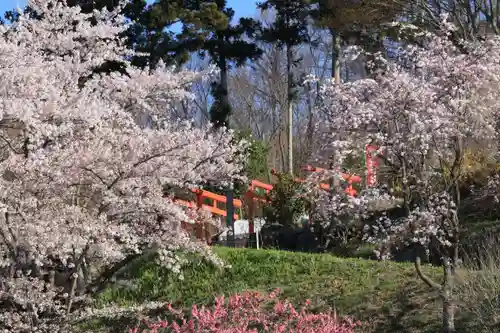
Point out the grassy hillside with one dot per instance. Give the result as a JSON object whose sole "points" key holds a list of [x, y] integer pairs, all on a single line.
{"points": [[387, 295]]}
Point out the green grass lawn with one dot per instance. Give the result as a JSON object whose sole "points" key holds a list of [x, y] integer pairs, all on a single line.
{"points": [[389, 296]]}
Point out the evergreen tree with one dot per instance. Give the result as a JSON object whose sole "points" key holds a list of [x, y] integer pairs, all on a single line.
{"points": [[150, 32], [289, 30], [152, 36], [89, 5], [226, 47], [354, 19]]}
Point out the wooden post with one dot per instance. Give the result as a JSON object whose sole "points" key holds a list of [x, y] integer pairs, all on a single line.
{"points": [[251, 211], [200, 234], [230, 216]]}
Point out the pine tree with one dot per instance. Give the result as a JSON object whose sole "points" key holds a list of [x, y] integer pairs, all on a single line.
{"points": [[288, 31], [152, 35], [150, 31], [357, 19], [227, 47]]}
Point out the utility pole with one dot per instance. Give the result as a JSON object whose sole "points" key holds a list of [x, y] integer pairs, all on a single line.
{"points": [[290, 138], [290, 99]]}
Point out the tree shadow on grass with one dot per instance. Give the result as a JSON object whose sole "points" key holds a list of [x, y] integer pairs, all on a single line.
{"points": [[123, 323], [409, 312], [416, 313]]}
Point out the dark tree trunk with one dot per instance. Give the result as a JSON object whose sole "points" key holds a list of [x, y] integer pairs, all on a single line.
{"points": [[224, 98]]}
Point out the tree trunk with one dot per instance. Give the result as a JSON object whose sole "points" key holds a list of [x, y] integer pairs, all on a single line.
{"points": [[290, 97], [445, 290], [224, 98], [309, 142], [335, 55], [448, 315], [447, 298]]}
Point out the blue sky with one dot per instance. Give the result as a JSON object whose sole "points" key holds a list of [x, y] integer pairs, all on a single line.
{"points": [[242, 7], [6, 5]]}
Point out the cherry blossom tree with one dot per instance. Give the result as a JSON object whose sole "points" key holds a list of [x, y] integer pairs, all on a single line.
{"points": [[82, 173], [422, 111]]}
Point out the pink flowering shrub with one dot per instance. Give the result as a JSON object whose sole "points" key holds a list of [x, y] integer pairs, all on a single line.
{"points": [[247, 312]]}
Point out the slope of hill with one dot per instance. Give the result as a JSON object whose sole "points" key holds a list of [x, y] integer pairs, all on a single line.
{"points": [[388, 296]]}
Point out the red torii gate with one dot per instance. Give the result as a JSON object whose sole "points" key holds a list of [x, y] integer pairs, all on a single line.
{"points": [[252, 198]]}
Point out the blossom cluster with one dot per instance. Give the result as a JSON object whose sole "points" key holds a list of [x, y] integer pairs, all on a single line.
{"points": [[338, 213], [433, 225], [422, 109], [85, 154], [245, 313], [33, 297]]}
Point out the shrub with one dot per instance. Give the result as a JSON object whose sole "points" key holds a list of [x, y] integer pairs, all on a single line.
{"points": [[248, 313], [285, 206]]}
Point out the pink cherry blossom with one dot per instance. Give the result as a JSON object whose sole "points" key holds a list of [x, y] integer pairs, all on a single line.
{"points": [[422, 110], [85, 157]]}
